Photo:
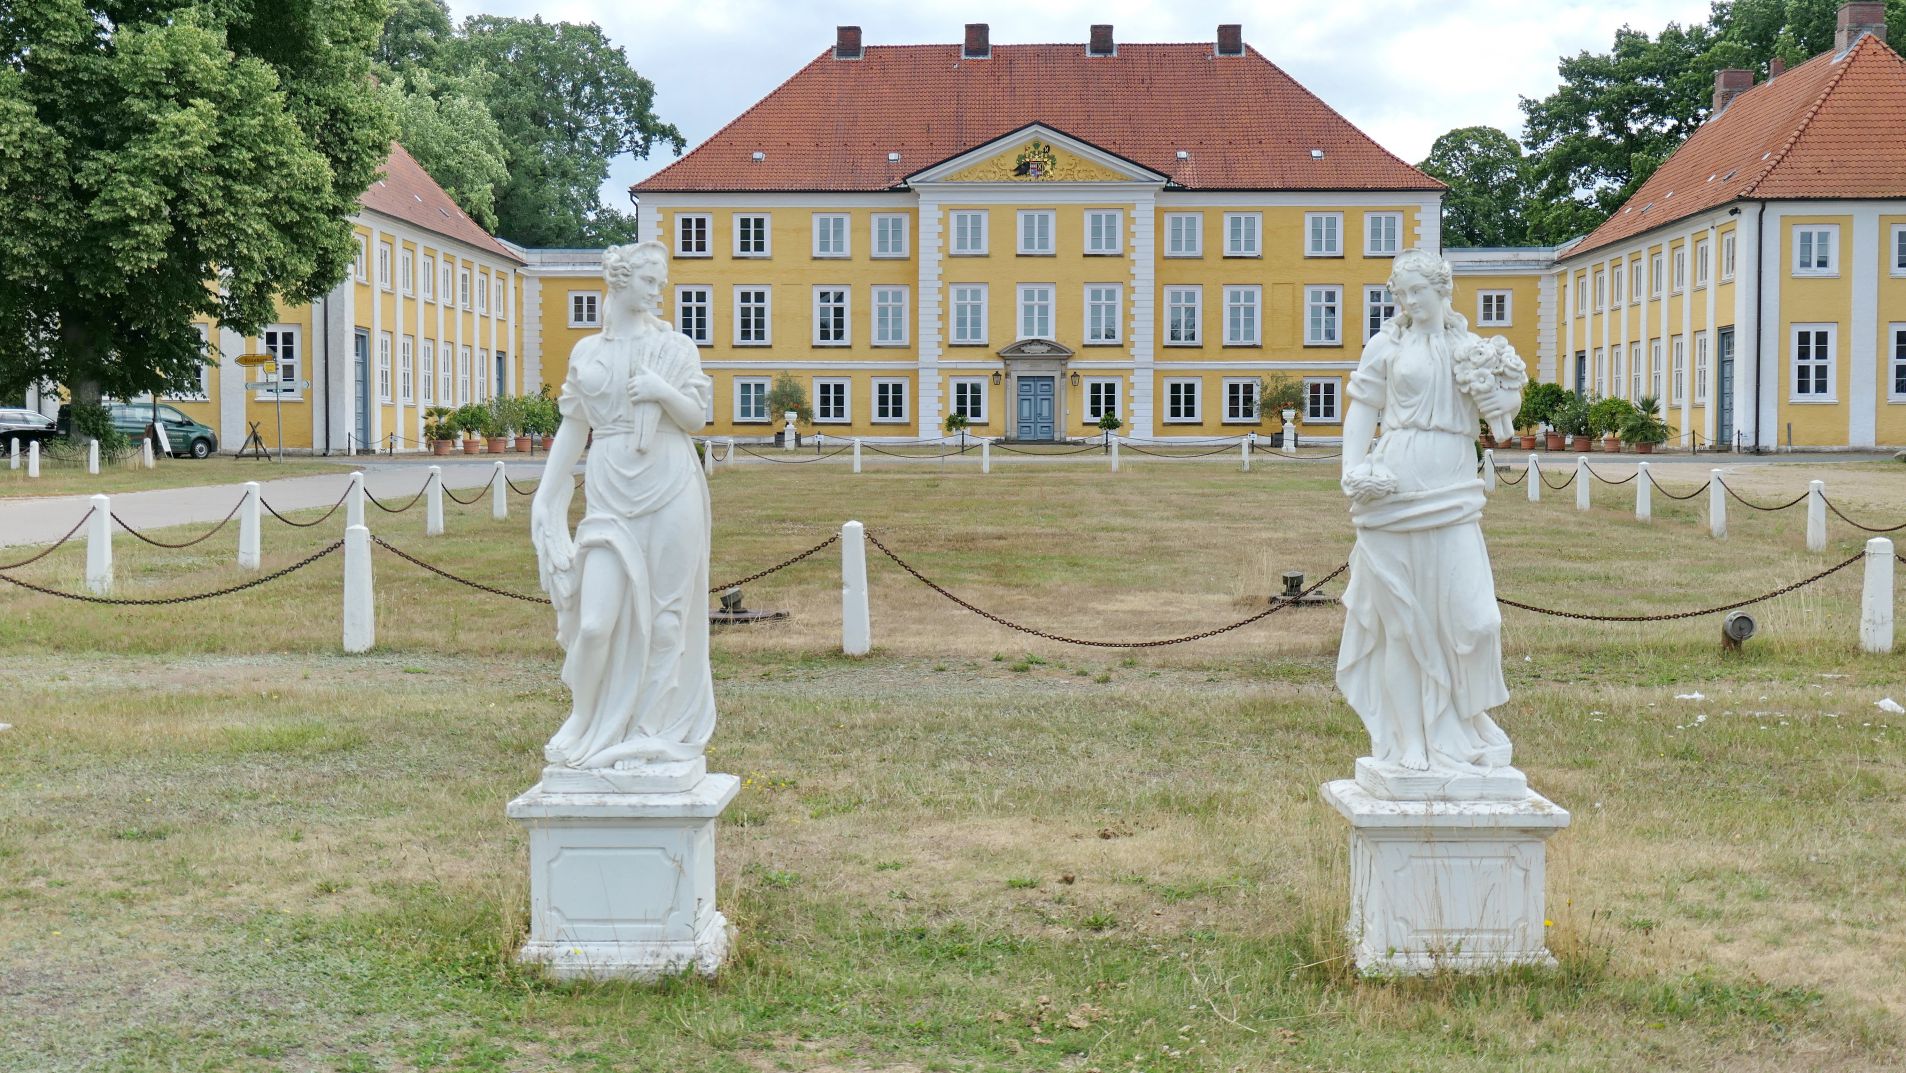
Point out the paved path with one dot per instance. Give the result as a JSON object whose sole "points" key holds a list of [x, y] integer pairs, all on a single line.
{"points": [[42, 521]]}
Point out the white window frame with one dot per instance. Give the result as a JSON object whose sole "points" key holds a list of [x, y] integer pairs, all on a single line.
{"points": [[463, 375], [974, 387], [1677, 369], [1250, 416], [383, 266], [694, 234], [1379, 305], [1332, 298], [1657, 277], [1184, 234], [1184, 297], [1728, 256], [1371, 228], [1637, 281], [1896, 362], [743, 306], [1092, 408], [893, 226], [1197, 400], [407, 269], [1679, 283], [1503, 320], [463, 288], [964, 241], [1616, 277], [1581, 295], [1832, 362], [1026, 217], [1096, 301], [446, 294], [1634, 371], [1703, 264], [1601, 290], [1601, 371], [1814, 232], [406, 369], [360, 267], [288, 386], [1244, 234], [594, 304], [1240, 298], [1657, 371], [483, 293], [483, 392], [427, 281], [846, 304], [428, 381], [1312, 414], [1024, 306], [1323, 234], [1700, 368], [742, 223], [1896, 249], [906, 402], [884, 297], [975, 297], [829, 226], [741, 414], [846, 385], [1096, 221], [696, 297]]}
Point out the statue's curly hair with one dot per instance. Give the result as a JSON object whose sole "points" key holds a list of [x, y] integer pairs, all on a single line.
{"points": [[1421, 262], [618, 262]]}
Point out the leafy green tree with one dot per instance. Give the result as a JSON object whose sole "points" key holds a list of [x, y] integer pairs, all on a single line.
{"points": [[165, 160], [1488, 187], [414, 36], [446, 125]]}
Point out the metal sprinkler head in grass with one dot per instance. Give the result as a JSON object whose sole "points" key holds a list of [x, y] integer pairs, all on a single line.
{"points": [[1294, 591], [1736, 628], [733, 614]]}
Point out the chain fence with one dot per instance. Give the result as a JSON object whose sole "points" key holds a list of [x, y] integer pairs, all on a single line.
{"points": [[454, 498], [1551, 485], [1512, 481], [1674, 615], [55, 546], [1864, 528], [200, 539], [1605, 480], [307, 525], [1690, 495], [835, 453], [122, 601], [1795, 501], [777, 567], [448, 576]]}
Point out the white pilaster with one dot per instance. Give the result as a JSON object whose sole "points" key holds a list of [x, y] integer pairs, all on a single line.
{"points": [[932, 320], [1862, 393], [1144, 336]]}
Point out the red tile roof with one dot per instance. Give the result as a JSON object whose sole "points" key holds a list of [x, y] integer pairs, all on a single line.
{"points": [[1834, 127], [1245, 123], [408, 193]]}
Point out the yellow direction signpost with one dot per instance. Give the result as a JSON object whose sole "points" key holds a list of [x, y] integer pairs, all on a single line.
{"points": [[253, 360]]}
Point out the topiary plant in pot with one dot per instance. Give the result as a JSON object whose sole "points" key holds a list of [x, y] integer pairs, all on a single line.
{"points": [[1605, 419], [1644, 427]]}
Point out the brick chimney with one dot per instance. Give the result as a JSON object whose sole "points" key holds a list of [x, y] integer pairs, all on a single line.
{"points": [[1230, 39], [1775, 68], [1729, 83], [979, 44], [847, 42], [1859, 18], [1101, 44]]}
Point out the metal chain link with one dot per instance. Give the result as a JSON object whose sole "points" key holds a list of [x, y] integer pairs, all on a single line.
{"points": [[942, 454], [474, 498], [1055, 454], [783, 565], [167, 600], [379, 504], [1277, 605], [1756, 506], [1500, 479], [1137, 450], [307, 525], [1782, 591], [792, 461], [55, 546], [1857, 525], [1605, 480], [207, 535], [1566, 481], [442, 573], [512, 486], [1690, 495]]}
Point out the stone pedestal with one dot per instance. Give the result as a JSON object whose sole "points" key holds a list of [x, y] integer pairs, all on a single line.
{"points": [[1446, 885], [622, 885]]}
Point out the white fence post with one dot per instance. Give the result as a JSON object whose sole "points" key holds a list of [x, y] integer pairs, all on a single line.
{"points": [[1489, 471], [730, 454], [248, 558], [99, 546], [856, 627], [354, 500], [33, 459], [1876, 598], [1581, 482], [1644, 493], [499, 495], [1816, 515], [360, 619], [1716, 506], [92, 457], [433, 502], [1244, 453], [986, 454], [1114, 454], [856, 454], [708, 457], [13, 452], [146, 451], [1533, 478]]}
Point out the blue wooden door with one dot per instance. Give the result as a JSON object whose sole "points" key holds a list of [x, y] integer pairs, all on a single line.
{"points": [[1724, 418], [362, 370], [1037, 408]]}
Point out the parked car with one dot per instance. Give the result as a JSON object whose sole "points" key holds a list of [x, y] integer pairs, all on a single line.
{"points": [[25, 426], [186, 436]]}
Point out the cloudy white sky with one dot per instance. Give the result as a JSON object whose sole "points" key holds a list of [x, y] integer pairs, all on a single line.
{"points": [[1404, 71]]}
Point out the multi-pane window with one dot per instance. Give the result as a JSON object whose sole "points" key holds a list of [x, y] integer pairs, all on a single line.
{"points": [[890, 234], [1379, 305], [751, 234], [482, 376], [445, 292], [1677, 368], [407, 270], [406, 368], [751, 315], [1655, 279], [584, 309], [969, 400], [692, 313], [1184, 234], [830, 401], [383, 265], [969, 312], [1601, 290], [1898, 361], [1183, 306], [1102, 230], [383, 366], [1035, 231], [1601, 371], [1181, 401], [1240, 401], [1813, 249], [1727, 257], [751, 399], [890, 401], [1813, 362], [1241, 233], [1241, 320], [483, 294], [830, 316], [1681, 269], [691, 235], [1322, 316], [1382, 233], [463, 376], [1102, 312], [1035, 311], [1614, 286], [1655, 370], [1492, 308], [1634, 281], [1634, 371], [357, 263], [1700, 368], [969, 232], [1324, 234], [282, 344], [1581, 295], [1898, 246], [890, 316], [830, 234], [1320, 400], [429, 347], [1702, 257], [463, 288], [1101, 398], [427, 278]]}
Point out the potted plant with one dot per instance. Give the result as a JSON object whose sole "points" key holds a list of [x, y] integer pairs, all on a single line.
{"points": [[1108, 424], [1483, 435], [509, 414], [786, 395], [956, 422], [1571, 420], [440, 428], [470, 419], [1539, 404], [1605, 419], [1644, 428], [490, 426], [540, 417], [1281, 392]]}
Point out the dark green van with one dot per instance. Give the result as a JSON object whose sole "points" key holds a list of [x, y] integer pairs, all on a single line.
{"points": [[186, 436]]}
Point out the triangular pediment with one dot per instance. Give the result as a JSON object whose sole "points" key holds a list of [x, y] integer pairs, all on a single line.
{"points": [[1036, 153], [1035, 348]]}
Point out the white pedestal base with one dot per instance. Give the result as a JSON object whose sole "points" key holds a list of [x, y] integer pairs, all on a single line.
{"points": [[622, 885], [1446, 885]]}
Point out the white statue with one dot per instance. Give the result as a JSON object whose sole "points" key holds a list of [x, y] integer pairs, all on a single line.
{"points": [[630, 589], [1421, 658]]}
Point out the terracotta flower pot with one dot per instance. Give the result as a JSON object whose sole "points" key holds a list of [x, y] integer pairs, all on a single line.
{"points": [[1528, 443], [1644, 448], [1611, 444], [522, 445], [1552, 441], [440, 447], [470, 445], [498, 445], [1488, 440], [1582, 444]]}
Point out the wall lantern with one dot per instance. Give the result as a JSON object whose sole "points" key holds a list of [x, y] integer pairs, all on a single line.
{"points": [[1075, 378], [998, 379]]}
